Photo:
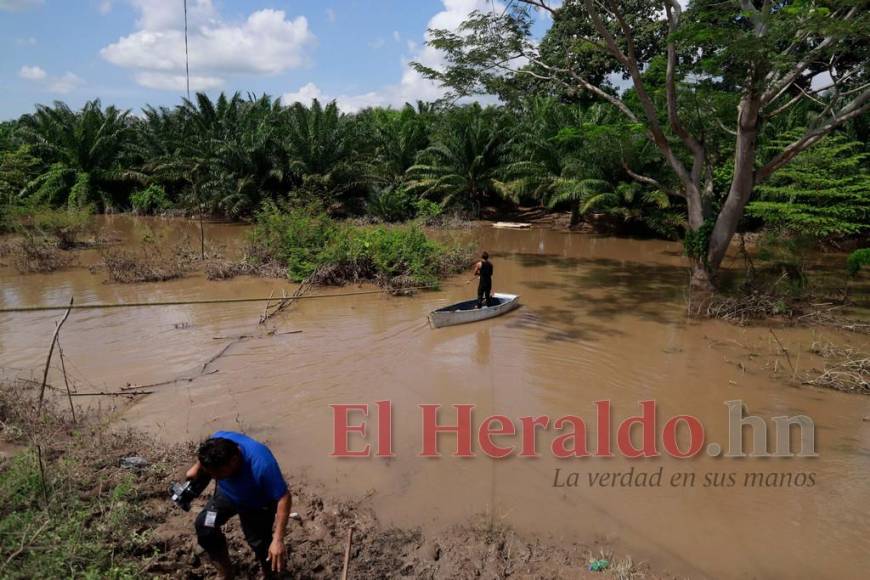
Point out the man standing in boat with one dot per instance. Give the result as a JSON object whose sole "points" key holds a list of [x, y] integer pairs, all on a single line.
{"points": [[483, 269]]}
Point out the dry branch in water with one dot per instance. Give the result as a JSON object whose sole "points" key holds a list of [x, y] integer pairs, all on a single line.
{"points": [[849, 372], [34, 254], [152, 264]]}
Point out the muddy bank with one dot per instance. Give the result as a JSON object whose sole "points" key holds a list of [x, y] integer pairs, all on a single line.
{"points": [[145, 535]]}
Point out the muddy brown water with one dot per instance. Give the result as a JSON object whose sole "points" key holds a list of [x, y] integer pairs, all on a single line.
{"points": [[602, 319]]}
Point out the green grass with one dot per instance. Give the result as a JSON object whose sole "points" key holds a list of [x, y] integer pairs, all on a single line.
{"points": [[73, 533]]}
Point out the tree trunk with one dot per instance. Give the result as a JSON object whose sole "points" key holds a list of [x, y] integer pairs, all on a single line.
{"points": [[741, 183], [701, 278], [575, 215]]}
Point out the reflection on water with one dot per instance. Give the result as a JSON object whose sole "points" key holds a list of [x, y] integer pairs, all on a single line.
{"points": [[602, 318]]}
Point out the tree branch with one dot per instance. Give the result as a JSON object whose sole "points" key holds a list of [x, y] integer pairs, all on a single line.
{"points": [[853, 109], [777, 87], [650, 181]]}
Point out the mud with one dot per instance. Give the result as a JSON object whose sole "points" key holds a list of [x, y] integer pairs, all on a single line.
{"points": [[93, 451]]}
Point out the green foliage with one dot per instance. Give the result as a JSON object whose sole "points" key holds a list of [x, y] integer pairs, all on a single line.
{"points": [[73, 534], [17, 168], [295, 237], [824, 192], [391, 204], [319, 144], [231, 154], [464, 165], [696, 242], [427, 211], [85, 154], [396, 137], [857, 260], [151, 200], [307, 240]]}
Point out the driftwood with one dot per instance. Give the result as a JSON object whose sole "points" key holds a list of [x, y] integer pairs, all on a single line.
{"points": [[110, 394], [288, 301], [784, 350], [347, 554], [50, 353], [247, 336], [169, 382]]}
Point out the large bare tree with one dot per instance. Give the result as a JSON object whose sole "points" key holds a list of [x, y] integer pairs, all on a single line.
{"points": [[773, 56]]}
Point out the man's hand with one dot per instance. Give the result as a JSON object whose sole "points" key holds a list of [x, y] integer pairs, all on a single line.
{"points": [[193, 472], [277, 555]]}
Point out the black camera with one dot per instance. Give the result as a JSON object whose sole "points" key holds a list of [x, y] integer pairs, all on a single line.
{"points": [[182, 494]]}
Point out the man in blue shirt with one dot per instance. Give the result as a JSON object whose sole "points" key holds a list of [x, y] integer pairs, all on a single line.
{"points": [[250, 485]]}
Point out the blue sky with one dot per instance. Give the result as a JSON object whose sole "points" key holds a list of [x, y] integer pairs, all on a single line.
{"points": [[131, 52]]}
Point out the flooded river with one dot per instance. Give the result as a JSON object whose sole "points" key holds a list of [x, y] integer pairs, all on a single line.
{"points": [[601, 319]]}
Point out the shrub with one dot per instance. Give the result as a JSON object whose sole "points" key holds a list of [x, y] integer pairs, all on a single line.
{"points": [[856, 260], [391, 204], [427, 210], [310, 242], [150, 201]]}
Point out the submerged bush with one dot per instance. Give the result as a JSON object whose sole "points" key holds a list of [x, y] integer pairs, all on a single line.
{"points": [[67, 228], [309, 241], [152, 264], [32, 254]]}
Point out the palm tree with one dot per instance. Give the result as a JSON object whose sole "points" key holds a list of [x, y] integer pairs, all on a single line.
{"points": [[225, 156], [464, 165], [581, 195], [320, 150], [86, 153], [557, 145], [398, 136]]}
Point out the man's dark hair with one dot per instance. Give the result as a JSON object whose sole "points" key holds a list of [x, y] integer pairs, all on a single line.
{"points": [[485, 255], [216, 452]]}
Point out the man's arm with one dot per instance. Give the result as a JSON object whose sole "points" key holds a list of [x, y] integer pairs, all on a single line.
{"points": [[193, 472], [477, 268], [277, 552]]}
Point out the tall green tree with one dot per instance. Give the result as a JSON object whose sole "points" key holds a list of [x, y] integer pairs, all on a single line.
{"points": [[771, 55]]}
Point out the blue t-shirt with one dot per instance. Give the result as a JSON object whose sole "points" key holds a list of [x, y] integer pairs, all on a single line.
{"points": [[259, 482]]}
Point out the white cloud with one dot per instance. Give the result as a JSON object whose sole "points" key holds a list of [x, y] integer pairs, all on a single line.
{"points": [[169, 14], [304, 95], [32, 73], [66, 83], [176, 82], [266, 43], [413, 86], [105, 6], [330, 15], [19, 5]]}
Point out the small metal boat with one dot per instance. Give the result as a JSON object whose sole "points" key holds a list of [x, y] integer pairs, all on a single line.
{"points": [[467, 311]]}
